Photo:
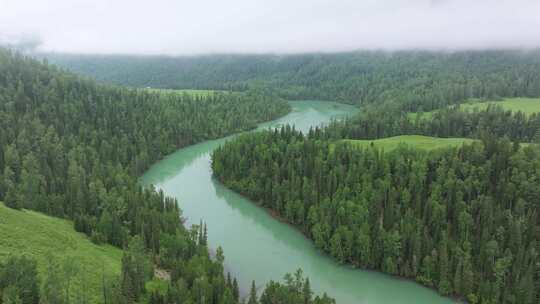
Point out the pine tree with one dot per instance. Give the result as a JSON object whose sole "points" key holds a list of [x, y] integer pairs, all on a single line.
{"points": [[52, 291], [253, 294], [235, 290], [136, 270], [458, 277], [229, 280], [205, 235], [227, 298], [11, 199], [201, 233], [307, 294], [444, 284]]}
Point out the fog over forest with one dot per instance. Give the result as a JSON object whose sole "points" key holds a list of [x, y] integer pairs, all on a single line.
{"points": [[258, 26]]}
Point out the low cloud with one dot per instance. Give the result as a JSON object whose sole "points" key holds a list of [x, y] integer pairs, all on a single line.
{"points": [[25, 42], [177, 27]]}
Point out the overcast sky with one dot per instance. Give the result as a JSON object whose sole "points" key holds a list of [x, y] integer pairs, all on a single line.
{"points": [[279, 26]]}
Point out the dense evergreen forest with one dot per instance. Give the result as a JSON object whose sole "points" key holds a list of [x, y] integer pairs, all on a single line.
{"points": [[464, 221], [72, 148], [412, 79], [380, 121]]}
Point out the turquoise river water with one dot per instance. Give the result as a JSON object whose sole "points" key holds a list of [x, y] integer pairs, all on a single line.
{"points": [[257, 246]]}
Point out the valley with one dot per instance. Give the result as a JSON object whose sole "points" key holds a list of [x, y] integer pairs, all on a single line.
{"points": [[259, 247]]}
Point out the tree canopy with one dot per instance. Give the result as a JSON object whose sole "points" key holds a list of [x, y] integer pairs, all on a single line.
{"points": [[412, 79], [462, 220], [72, 148]]}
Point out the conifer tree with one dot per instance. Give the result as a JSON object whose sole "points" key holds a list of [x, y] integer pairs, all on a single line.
{"points": [[253, 294]]}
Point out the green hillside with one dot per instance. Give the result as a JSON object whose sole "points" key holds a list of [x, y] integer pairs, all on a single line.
{"points": [[198, 93], [525, 105], [354, 77], [418, 141], [41, 236]]}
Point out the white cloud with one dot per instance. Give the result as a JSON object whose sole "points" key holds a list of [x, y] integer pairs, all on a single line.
{"points": [[259, 26]]}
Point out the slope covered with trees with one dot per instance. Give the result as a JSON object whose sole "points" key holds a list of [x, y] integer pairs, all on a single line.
{"points": [[72, 148], [463, 220], [414, 79], [388, 119]]}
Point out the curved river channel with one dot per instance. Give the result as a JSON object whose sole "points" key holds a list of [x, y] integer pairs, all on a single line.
{"points": [[258, 247]]}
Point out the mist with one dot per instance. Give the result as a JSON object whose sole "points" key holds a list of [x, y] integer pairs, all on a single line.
{"points": [[256, 26]]}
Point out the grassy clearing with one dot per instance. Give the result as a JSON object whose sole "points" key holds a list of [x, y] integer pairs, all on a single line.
{"points": [[198, 93], [423, 115], [526, 105], [38, 235], [418, 141]]}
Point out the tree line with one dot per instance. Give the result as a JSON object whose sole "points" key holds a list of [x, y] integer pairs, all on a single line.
{"points": [[195, 278], [72, 148], [62, 281], [463, 220], [413, 79], [389, 120]]}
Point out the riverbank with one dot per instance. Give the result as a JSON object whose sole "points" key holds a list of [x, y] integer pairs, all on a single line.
{"points": [[256, 245]]}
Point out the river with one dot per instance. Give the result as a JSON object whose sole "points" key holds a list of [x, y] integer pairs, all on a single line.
{"points": [[258, 247]]}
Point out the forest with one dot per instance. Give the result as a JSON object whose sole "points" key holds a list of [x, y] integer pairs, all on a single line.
{"points": [[410, 79], [270, 152], [464, 220], [388, 120], [72, 148]]}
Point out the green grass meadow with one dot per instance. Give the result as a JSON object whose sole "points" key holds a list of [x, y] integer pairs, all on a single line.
{"points": [[192, 92], [426, 143], [526, 105], [29, 233]]}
